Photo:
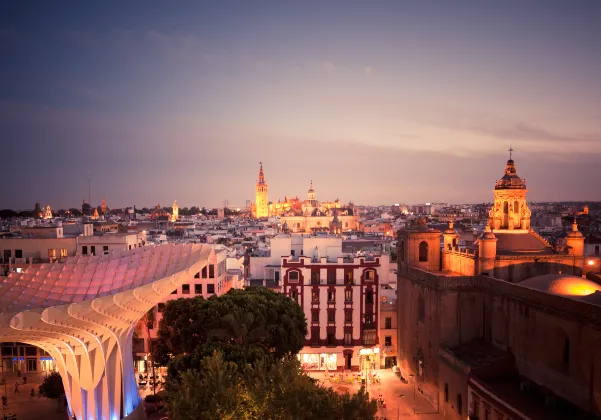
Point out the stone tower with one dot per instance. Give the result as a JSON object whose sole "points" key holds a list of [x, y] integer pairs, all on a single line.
{"points": [[311, 196], [261, 208], [510, 210], [103, 206], [175, 213]]}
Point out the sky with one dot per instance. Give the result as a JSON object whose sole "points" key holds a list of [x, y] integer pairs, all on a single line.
{"points": [[375, 102]]}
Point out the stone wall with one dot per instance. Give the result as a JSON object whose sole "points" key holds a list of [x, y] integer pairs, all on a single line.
{"points": [[555, 340]]}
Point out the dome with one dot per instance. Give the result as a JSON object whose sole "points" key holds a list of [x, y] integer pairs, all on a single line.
{"points": [[487, 234], [510, 180], [563, 285]]}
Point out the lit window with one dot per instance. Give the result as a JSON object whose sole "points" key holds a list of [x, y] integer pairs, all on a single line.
{"points": [[370, 275], [63, 253], [348, 295]]}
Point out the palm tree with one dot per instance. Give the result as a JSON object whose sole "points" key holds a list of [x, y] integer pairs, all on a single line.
{"points": [[148, 321]]}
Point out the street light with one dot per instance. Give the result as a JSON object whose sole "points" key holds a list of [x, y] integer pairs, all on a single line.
{"points": [[398, 406]]}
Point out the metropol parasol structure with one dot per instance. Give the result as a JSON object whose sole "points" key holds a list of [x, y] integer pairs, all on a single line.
{"points": [[83, 313]]}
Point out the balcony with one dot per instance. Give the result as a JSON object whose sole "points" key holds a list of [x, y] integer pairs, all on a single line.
{"points": [[388, 349]]}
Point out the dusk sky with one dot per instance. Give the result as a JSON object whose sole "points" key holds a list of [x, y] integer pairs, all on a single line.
{"points": [[376, 102]]}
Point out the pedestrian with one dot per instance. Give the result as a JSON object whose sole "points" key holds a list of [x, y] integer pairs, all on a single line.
{"points": [[16, 387]]}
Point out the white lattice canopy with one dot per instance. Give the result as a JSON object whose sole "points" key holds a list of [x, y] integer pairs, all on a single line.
{"points": [[83, 313]]}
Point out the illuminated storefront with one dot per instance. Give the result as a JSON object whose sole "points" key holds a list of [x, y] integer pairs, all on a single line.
{"points": [[319, 361]]}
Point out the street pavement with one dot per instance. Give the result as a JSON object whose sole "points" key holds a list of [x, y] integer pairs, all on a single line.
{"points": [[405, 407]]}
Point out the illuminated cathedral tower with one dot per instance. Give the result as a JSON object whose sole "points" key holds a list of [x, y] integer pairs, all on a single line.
{"points": [[510, 210], [261, 207]]}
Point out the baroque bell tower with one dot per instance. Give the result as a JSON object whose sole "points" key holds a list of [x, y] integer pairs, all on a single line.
{"points": [[510, 210], [261, 207]]}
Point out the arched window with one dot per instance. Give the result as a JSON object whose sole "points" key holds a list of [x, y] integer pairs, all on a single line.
{"points": [[402, 251], [459, 404], [423, 251], [505, 207], [516, 208]]}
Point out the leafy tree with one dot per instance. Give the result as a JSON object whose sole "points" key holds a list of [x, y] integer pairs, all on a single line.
{"points": [[75, 212], [268, 390], [52, 387], [86, 209], [26, 213], [194, 210], [8, 213], [253, 319]]}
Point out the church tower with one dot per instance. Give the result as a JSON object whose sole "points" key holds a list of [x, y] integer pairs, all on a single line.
{"points": [[261, 208], [175, 213], [103, 206], [510, 210], [311, 196]]}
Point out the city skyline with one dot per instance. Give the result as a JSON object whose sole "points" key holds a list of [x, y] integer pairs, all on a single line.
{"points": [[395, 102]]}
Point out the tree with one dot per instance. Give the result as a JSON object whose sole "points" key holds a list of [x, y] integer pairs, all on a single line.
{"points": [[256, 319], [86, 209], [8, 213], [270, 389], [75, 212], [148, 320], [52, 387]]}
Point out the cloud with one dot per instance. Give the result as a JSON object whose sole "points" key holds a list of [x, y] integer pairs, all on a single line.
{"points": [[329, 67]]}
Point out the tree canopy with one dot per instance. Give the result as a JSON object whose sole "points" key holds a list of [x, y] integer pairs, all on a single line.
{"points": [[52, 387], [255, 320], [268, 390]]}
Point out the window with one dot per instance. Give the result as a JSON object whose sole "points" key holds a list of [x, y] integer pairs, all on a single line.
{"points": [[387, 323], [298, 225], [348, 277], [369, 297], [293, 275], [446, 393], [368, 318], [348, 339], [161, 307], [505, 208], [331, 317], [596, 250], [315, 296], [198, 289], [18, 253], [185, 289], [345, 224], [423, 251], [197, 275], [84, 250], [292, 252], [105, 249], [52, 254], [516, 208], [211, 271], [315, 315], [93, 250], [130, 247], [211, 288], [63, 253], [174, 292], [331, 340], [348, 315], [331, 276], [314, 277], [7, 254], [204, 272], [294, 295], [348, 295], [370, 275], [388, 341], [369, 337], [459, 404], [331, 297]]}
